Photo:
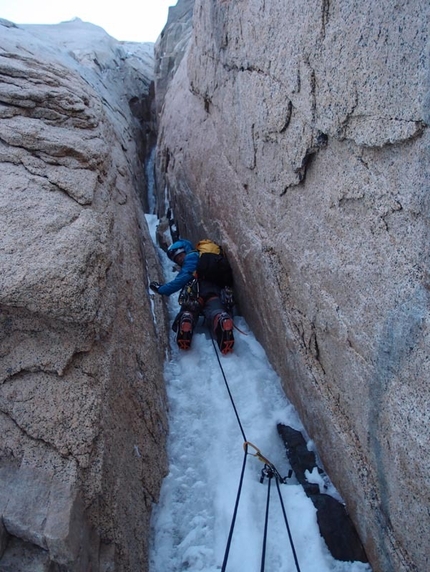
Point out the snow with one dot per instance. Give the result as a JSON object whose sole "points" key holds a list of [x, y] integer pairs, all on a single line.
{"points": [[191, 522]]}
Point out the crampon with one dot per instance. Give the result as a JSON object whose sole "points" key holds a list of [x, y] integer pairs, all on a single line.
{"points": [[224, 332], [185, 331]]}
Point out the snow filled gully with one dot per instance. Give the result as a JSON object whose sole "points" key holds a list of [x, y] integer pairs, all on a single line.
{"points": [[191, 522]]}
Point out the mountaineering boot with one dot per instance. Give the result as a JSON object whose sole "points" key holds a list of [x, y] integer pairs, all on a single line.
{"points": [[223, 327], [185, 331]]}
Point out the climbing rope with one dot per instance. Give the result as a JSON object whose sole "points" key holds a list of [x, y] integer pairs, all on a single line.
{"points": [[236, 506], [268, 471], [227, 386], [288, 527], [266, 525], [239, 330]]}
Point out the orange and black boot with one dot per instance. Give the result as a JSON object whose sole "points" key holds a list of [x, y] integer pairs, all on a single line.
{"points": [[185, 330], [223, 327]]}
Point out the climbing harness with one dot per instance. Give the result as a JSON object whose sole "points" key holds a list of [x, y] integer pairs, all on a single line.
{"points": [[269, 471], [188, 297]]}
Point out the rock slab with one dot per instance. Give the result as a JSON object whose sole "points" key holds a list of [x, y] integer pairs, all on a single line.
{"points": [[297, 136], [82, 402]]}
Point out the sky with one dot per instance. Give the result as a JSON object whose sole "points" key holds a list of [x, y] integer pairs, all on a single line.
{"points": [[191, 522], [126, 20]]}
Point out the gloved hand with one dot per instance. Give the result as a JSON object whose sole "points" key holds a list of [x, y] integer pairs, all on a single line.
{"points": [[155, 286]]}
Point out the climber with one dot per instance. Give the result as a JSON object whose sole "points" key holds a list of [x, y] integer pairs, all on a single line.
{"points": [[196, 297]]}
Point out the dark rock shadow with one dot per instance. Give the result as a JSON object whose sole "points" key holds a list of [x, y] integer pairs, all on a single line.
{"points": [[335, 525]]}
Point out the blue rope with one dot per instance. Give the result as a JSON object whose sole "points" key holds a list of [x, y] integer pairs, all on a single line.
{"points": [[236, 506], [266, 525], [227, 386], [288, 527]]}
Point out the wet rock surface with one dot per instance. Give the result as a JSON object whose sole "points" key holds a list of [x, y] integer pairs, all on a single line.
{"points": [[334, 523]]}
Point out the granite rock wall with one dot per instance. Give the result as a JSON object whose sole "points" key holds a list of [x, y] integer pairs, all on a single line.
{"points": [[296, 134], [82, 403]]}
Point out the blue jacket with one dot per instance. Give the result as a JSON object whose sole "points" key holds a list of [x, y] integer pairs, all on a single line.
{"points": [[185, 274]]}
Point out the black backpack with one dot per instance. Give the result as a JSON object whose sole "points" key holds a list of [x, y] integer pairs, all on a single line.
{"points": [[213, 265]]}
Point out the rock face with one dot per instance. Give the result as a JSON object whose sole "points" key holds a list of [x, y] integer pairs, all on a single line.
{"points": [[297, 135], [334, 523], [82, 404], [170, 47]]}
